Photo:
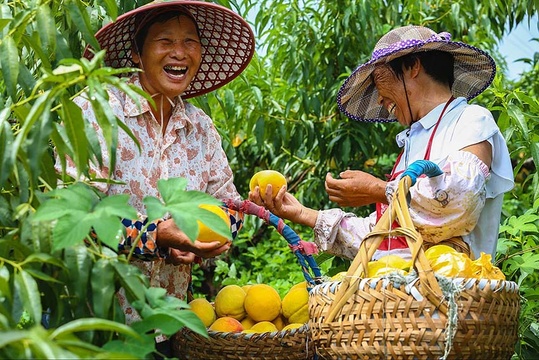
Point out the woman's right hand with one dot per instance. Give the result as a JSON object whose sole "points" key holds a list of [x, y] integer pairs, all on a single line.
{"points": [[284, 205]]}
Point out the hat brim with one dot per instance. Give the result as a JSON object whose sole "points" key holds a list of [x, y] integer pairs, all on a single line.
{"points": [[474, 71], [227, 43]]}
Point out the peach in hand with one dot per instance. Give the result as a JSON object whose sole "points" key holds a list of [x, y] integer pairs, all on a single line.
{"points": [[268, 177], [206, 234]]}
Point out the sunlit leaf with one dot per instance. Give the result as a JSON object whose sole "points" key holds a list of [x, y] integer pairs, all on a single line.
{"points": [[28, 291]]}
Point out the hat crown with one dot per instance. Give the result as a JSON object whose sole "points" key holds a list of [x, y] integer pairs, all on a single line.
{"points": [[406, 37]]}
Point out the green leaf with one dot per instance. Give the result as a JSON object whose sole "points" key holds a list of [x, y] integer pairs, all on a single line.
{"points": [[132, 280], [5, 288], [46, 28], [9, 60], [103, 290], [6, 147], [80, 18], [70, 230], [73, 123], [79, 263], [89, 324], [26, 287], [9, 337]]}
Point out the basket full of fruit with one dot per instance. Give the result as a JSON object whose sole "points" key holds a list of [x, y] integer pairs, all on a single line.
{"points": [[441, 305], [252, 321]]}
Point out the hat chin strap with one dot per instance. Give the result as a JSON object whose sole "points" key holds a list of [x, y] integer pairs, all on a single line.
{"points": [[408, 102]]}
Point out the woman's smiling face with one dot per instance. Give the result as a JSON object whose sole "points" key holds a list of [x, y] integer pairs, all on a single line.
{"points": [[170, 56], [391, 93]]}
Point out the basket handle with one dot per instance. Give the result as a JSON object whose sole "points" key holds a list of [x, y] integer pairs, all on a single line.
{"points": [[302, 249], [382, 229]]}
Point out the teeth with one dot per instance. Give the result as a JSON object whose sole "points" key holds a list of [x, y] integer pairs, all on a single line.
{"points": [[176, 68], [392, 108]]}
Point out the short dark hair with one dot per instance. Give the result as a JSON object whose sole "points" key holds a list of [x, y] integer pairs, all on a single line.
{"points": [[437, 64], [145, 23]]}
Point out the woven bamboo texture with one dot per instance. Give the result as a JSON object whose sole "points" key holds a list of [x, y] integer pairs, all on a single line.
{"points": [[388, 318], [277, 345]]}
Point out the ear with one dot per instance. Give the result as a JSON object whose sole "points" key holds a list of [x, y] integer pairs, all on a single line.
{"points": [[415, 69], [135, 57]]}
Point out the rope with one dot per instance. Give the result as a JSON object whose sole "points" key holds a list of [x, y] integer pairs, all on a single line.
{"points": [[303, 250]]}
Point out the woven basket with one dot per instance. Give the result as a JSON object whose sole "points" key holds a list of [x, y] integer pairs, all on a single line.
{"points": [[288, 344], [415, 317], [277, 345]]}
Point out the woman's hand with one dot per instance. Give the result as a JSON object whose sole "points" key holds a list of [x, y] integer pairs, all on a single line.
{"points": [[284, 205], [355, 188], [169, 235]]}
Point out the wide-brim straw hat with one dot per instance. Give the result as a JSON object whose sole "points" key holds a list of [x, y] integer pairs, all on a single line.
{"points": [[474, 70], [227, 42]]}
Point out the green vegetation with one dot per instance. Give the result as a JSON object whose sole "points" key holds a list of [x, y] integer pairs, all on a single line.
{"points": [[280, 114]]}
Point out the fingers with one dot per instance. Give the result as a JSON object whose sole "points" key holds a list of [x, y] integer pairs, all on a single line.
{"points": [[212, 249], [179, 257]]}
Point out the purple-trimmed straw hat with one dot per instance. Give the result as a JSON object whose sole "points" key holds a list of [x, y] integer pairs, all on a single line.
{"points": [[227, 41], [358, 97]]}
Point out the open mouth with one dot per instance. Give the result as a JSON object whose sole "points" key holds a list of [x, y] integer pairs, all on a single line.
{"points": [[176, 71]]}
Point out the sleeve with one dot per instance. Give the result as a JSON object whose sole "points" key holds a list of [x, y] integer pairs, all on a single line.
{"points": [[477, 124], [450, 204], [146, 247], [340, 233]]}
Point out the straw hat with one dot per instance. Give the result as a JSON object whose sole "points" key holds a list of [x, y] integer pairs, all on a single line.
{"points": [[227, 41], [474, 70]]}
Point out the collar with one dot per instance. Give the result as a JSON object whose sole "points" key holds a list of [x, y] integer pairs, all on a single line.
{"points": [[428, 121], [178, 118]]}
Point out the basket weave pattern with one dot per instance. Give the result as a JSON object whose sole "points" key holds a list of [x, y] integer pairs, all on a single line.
{"points": [[282, 345], [411, 318]]}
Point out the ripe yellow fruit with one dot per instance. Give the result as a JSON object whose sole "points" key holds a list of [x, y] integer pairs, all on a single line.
{"points": [[226, 324], [247, 323], [268, 177], [263, 326], [302, 284], [262, 303], [296, 305], [229, 301], [434, 251], [204, 310], [292, 326], [395, 261], [205, 234], [279, 322], [452, 264]]}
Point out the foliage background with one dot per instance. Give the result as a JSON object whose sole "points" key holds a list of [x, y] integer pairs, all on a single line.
{"points": [[280, 114]]}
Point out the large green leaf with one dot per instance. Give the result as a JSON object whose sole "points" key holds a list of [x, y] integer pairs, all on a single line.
{"points": [[9, 60], [103, 289], [46, 28], [89, 324], [28, 292]]}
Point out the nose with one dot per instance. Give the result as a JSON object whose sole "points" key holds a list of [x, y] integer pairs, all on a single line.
{"points": [[177, 49], [380, 100]]}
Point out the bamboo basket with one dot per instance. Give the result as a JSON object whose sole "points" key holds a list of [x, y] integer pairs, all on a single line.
{"points": [[420, 316], [289, 344], [277, 345]]}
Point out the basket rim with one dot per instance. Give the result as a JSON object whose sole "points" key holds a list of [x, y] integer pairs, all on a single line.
{"points": [[464, 283], [252, 336]]}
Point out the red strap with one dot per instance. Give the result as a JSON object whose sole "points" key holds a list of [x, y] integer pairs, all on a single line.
{"points": [[399, 242]]}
